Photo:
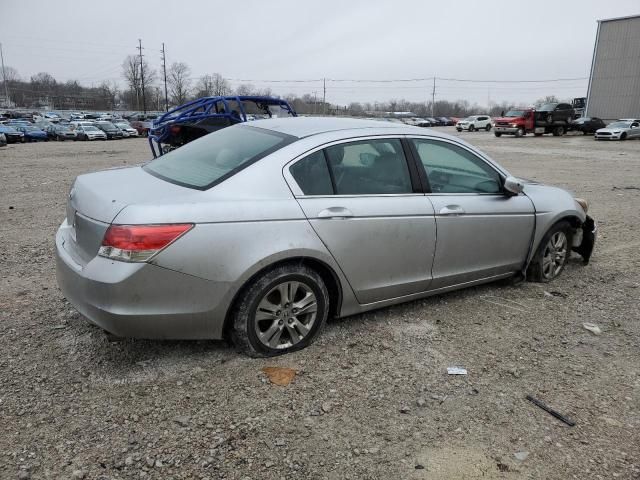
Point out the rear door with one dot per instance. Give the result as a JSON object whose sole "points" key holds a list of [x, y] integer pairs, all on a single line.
{"points": [[481, 231], [363, 199]]}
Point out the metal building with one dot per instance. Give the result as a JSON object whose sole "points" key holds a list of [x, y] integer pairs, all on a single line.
{"points": [[614, 83]]}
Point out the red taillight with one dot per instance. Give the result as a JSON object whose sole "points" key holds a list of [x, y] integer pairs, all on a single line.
{"points": [[175, 129], [138, 243]]}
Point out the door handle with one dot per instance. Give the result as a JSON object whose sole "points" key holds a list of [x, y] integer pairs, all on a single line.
{"points": [[335, 212], [452, 210]]}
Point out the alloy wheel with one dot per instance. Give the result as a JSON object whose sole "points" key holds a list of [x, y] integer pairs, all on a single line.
{"points": [[285, 315], [555, 254]]}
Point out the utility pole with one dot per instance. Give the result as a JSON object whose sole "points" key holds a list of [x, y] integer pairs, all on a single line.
{"points": [[433, 96], [144, 103], [4, 77], [164, 69], [324, 96], [315, 101]]}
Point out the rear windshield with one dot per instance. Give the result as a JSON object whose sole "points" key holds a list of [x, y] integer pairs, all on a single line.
{"points": [[215, 157]]}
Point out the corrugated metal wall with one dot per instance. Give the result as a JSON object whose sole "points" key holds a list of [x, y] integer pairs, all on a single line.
{"points": [[615, 78]]}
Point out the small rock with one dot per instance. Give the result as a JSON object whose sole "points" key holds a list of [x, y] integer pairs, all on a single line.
{"points": [[279, 442], [547, 439], [404, 409], [421, 402], [23, 474], [159, 464], [326, 407], [521, 456], [419, 466], [182, 420], [128, 461], [150, 462], [78, 475]]}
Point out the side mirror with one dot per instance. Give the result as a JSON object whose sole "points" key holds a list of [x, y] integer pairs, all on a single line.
{"points": [[513, 186]]}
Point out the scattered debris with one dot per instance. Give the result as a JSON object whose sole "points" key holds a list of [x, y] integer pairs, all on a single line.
{"points": [[456, 371], [593, 328], [404, 409], [419, 466], [280, 375], [521, 456], [550, 410], [503, 467], [554, 293], [631, 187]]}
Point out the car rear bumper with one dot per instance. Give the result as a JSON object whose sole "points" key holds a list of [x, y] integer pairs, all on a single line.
{"points": [[138, 300]]}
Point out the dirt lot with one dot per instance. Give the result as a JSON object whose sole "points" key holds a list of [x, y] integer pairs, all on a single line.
{"points": [[371, 399]]}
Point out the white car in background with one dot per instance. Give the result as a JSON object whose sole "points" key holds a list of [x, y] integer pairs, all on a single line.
{"points": [[127, 129], [620, 130], [90, 132], [475, 122]]}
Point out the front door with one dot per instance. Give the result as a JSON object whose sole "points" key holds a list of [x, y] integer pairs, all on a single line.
{"points": [[481, 232], [366, 207]]}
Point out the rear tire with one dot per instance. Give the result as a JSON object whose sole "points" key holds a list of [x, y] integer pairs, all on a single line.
{"points": [[281, 311], [558, 131], [552, 254], [488, 127], [497, 134]]}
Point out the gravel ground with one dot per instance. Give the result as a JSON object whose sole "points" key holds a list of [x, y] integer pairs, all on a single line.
{"points": [[371, 398]]}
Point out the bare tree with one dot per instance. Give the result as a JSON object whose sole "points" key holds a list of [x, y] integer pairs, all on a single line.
{"points": [[245, 89], [179, 82], [110, 92], [132, 72], [10, 74]]}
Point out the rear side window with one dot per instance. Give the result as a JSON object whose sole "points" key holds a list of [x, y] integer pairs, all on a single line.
{"points": [[205, 162], [312, 175], [369, 167]]}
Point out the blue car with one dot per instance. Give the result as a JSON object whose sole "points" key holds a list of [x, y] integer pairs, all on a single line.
{"points": [[12, 135], [33, 134]]}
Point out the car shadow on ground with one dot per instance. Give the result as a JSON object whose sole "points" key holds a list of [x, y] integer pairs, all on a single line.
{"points": [[124, 355]]}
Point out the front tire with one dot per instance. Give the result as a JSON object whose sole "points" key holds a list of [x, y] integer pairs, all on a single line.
{"points": [[520, 132], [472, 128], [281, 311], [552, 254], [623, 136], [497, 134]]}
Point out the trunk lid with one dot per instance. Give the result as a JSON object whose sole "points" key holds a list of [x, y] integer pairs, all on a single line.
{"points": [[96, 199]]}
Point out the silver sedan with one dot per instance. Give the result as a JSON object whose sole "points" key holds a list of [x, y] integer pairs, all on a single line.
{"points": [[260, 232]]}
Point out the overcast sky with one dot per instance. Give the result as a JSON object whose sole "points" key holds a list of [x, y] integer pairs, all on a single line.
{"points": [[258, 40]]}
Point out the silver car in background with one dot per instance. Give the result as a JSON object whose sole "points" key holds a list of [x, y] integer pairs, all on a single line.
{"points": [[620, 130], [259, 232]]}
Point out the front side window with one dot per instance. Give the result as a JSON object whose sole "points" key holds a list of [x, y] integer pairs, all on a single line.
{"points": [[452, 169], [369, 167], [213, 158], [312, 175]]}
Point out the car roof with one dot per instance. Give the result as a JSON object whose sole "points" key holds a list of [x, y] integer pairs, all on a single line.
{"points": [[307, 126]]}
